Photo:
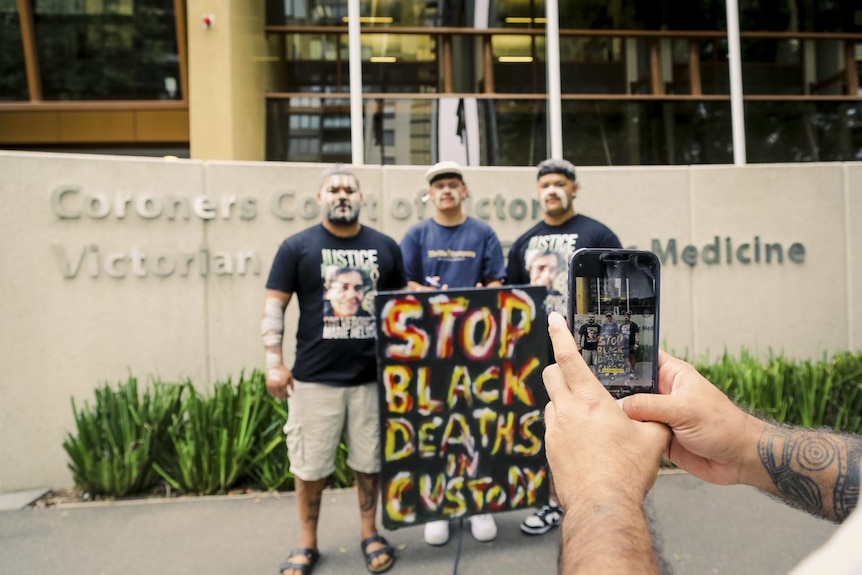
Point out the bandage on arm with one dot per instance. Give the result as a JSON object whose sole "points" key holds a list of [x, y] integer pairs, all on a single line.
{"points": [[272, 327]]}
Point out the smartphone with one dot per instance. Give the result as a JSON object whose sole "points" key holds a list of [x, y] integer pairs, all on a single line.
{"points": [[614, 316]]}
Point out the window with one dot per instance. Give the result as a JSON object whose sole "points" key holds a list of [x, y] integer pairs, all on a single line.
{"points": [[13, 72], [642, 82], [111, 50]]}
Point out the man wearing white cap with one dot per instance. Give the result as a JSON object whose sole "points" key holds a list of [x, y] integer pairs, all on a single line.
{"points": [[452, 250]]}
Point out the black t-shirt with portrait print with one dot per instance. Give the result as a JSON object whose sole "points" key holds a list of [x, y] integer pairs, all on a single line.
{"points": [[590, 334], [630, 330], [332, 350], [578, 232]]}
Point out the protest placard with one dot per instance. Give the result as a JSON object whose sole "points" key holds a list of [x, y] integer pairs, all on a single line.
{"points": [[461, 397]]}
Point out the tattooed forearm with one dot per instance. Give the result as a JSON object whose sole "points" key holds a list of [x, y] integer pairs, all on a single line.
{"points": [[847, 486], [814, 470]]}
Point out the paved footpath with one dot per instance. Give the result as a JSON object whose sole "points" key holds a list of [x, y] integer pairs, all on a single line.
{"points": [[704, 529]]}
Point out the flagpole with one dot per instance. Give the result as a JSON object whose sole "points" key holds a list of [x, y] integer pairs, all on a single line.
{"points": [[357, 144], [555, 113]]}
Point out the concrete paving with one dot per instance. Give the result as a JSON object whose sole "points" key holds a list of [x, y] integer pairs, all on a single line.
{"points": [[705, 529], [21, 499]]}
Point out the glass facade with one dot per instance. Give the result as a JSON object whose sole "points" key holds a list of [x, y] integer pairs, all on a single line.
{"points": [[107, 50], [694, 15], [641, 82], [803, 131], [94, 76], [318, 62]]}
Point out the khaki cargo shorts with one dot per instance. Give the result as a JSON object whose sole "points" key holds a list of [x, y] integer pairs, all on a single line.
{"points": [[318, 416]]}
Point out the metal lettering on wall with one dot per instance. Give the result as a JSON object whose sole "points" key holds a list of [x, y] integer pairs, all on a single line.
{"points": [[729, 251], [71, 203]]}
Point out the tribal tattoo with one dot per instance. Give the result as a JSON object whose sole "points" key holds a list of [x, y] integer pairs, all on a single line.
{"points": [[816, 471]]}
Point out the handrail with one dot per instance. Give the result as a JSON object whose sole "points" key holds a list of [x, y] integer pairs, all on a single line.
{"points": [[652, 78], [621, 33], [814, 87], [91, 105], [528, 96]]}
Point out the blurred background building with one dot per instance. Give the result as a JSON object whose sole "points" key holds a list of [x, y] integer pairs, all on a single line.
{"points": [[643, 82]]}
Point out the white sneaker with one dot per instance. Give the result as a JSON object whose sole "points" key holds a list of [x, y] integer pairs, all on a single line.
{"points": [[483, 527], [437, 532]]}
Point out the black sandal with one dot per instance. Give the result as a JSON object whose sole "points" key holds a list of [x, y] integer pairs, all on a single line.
{"points": [[372, 555], [303, 568]]}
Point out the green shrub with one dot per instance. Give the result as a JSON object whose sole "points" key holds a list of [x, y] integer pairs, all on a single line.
{"points": [[807, 393], [270, 466], [121, 436], [215, 438], [845, 406], [125, 442]]}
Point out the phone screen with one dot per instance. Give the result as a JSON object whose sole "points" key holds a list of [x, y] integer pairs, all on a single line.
{"points": [[614, 316]]}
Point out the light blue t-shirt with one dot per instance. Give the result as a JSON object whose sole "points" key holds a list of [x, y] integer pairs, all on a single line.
{"points": [[461, 255]]}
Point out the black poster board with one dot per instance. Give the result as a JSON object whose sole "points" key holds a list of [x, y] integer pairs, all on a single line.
{"points": [[613, 351], [461, 401]]}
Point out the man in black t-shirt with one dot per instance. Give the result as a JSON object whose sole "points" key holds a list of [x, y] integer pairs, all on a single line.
{"points": [[631, 331], [588, 341], [332, 268], [562, 230]]}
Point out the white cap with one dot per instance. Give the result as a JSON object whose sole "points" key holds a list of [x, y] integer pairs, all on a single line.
{"points": [[441, 169]]}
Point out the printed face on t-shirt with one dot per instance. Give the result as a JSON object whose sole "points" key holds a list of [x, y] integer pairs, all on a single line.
{"points": [[545, 259], [345, 293], [543, 269], [341, 199]]}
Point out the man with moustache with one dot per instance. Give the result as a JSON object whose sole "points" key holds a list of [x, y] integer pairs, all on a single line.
{"points": [[452, 250], [332, 386], [562, 230]]}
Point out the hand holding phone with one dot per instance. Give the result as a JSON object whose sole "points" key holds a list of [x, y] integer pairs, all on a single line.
{"points": [[614, 316]]}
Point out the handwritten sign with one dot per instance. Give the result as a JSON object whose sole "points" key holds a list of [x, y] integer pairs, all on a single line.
{"points": [[613, 350], [461, 402]]}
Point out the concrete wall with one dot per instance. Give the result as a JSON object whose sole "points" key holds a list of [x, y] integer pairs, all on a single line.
{"points": [[69, 326]]}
